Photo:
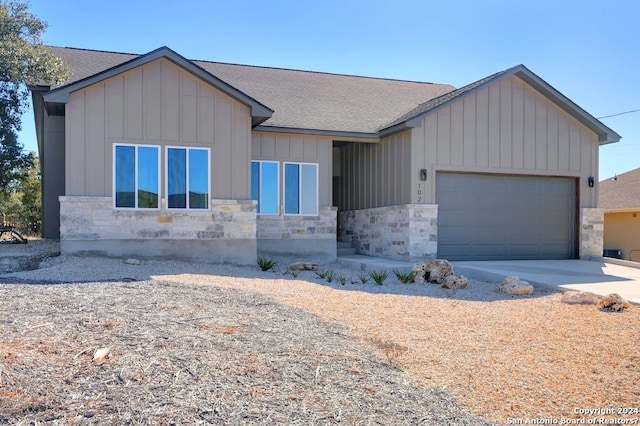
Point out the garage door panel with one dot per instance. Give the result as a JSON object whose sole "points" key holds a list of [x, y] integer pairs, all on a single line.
{"points": [[483, 217]]}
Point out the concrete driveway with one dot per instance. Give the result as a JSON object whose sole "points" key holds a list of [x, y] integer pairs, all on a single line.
{"points": [[599, 277]]}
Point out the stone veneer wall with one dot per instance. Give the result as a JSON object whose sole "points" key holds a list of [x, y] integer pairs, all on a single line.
{"points": [[408, 231], [226, 233], [591, 232], [300, 236]]}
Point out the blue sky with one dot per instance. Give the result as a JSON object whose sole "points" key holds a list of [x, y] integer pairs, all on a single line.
{"points": [[588, 50]]}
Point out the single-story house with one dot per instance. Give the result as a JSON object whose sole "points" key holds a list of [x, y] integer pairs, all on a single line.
{"points": [[620, 199], [155, 155]]}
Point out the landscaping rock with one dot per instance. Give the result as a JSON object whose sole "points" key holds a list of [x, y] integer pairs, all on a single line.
{"points": [[613, 302], [453, 281], [515, 286], [435, 271], [303, 266], [580, 298]]}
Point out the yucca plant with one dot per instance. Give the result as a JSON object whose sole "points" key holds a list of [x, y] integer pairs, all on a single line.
{"points": [[403, 277], [266, 264], [379, 277]]}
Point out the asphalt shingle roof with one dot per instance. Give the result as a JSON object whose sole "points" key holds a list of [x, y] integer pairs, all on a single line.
{"points": [[300, 99], [622, 192]]}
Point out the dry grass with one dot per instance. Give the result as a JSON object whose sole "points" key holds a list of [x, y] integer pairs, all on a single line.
{"points": [[193, 354]]}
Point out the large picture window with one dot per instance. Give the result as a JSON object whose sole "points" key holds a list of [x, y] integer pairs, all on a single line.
{"points": [[188, 180], [300, 188], [264, 186], [136, 176]]}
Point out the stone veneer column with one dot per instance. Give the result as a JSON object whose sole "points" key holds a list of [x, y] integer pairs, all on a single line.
{"points": [[408, 231], [591, 232]]}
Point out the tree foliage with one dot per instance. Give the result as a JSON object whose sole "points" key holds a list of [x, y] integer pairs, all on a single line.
{"points": [[24, 59], [21, 204]]}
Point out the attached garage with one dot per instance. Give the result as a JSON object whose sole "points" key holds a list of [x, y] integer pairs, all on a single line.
{"points": [[505, 217]]}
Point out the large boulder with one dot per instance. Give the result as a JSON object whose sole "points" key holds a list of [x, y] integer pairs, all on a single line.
{"points": [[436, 271], [515, 286], [453, 281], [613, 302]]}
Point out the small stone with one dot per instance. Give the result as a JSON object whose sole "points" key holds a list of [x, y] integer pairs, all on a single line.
{"points": [[303, 266], [132, 261], [613, 302], [453, 281], [516, 287]]}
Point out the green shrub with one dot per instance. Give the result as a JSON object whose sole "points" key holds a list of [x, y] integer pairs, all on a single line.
{"points": [[342, 279], [364, 278]]}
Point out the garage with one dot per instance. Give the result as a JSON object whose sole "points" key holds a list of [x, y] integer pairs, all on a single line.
{"points": [[505, 217]]}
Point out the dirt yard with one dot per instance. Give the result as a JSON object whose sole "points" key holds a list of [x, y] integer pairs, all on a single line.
{"points": [[230, 345]]}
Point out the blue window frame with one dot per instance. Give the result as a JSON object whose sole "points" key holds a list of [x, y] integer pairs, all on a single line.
{"points": [[136, 176], [264, 186], [188, 182], [300, 189]]}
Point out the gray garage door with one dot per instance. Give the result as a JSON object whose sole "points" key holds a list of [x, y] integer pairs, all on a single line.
{"points": [[493, 217]]}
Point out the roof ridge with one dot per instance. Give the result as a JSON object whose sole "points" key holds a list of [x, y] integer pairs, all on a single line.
{"points": [[400, 80], [321, 72]]}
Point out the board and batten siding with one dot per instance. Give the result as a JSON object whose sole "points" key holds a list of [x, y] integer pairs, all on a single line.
{"points": [[158, 103], [375, 174], [285, 147], [506, 127]]}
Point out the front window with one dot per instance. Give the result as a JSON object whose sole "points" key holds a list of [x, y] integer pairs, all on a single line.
{"points": [[188, 178], [300, 188], [264, 186], [136, 177]]}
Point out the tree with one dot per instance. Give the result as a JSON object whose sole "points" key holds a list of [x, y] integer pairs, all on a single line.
{"points": [[24, 59]]}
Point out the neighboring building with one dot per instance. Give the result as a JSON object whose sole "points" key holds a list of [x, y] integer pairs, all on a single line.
{"points": [[158, 156], [620, 199]]}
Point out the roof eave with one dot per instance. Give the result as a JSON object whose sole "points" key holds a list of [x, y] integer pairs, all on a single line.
{"points": [[339, 134], [259, 111]]}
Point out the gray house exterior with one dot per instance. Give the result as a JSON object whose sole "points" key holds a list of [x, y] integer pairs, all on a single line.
{"points": [[158, 156]]}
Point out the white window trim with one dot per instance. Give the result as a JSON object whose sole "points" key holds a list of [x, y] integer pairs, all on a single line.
{"points": [[166, 178], [277, 163], [135, 177], [284, 180]]}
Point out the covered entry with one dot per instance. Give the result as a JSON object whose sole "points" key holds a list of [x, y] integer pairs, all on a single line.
{"points": [[495, 217]]}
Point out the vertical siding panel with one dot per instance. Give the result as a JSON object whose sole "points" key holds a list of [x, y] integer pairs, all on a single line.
{"points": [[469, 134], [325, 171], [133, 104], [367, 184], [115, 107], [517, 130], [268, 146], [222, 171], [407, 170], [586, 199], [75, 145], [444, 136], [563, 142], [96, 175], [310, 149], [457, 145], [256, 146], [417, 160], [188, 112], [171, 103], [552, 138], [206, 114], [282, 147], [574, 146], [541, 133], [529, 130], [431, 141], [380, 183], [152, 97], [297, 148], [240, 155], [494, 126], [506, 160], [482, 128]]}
